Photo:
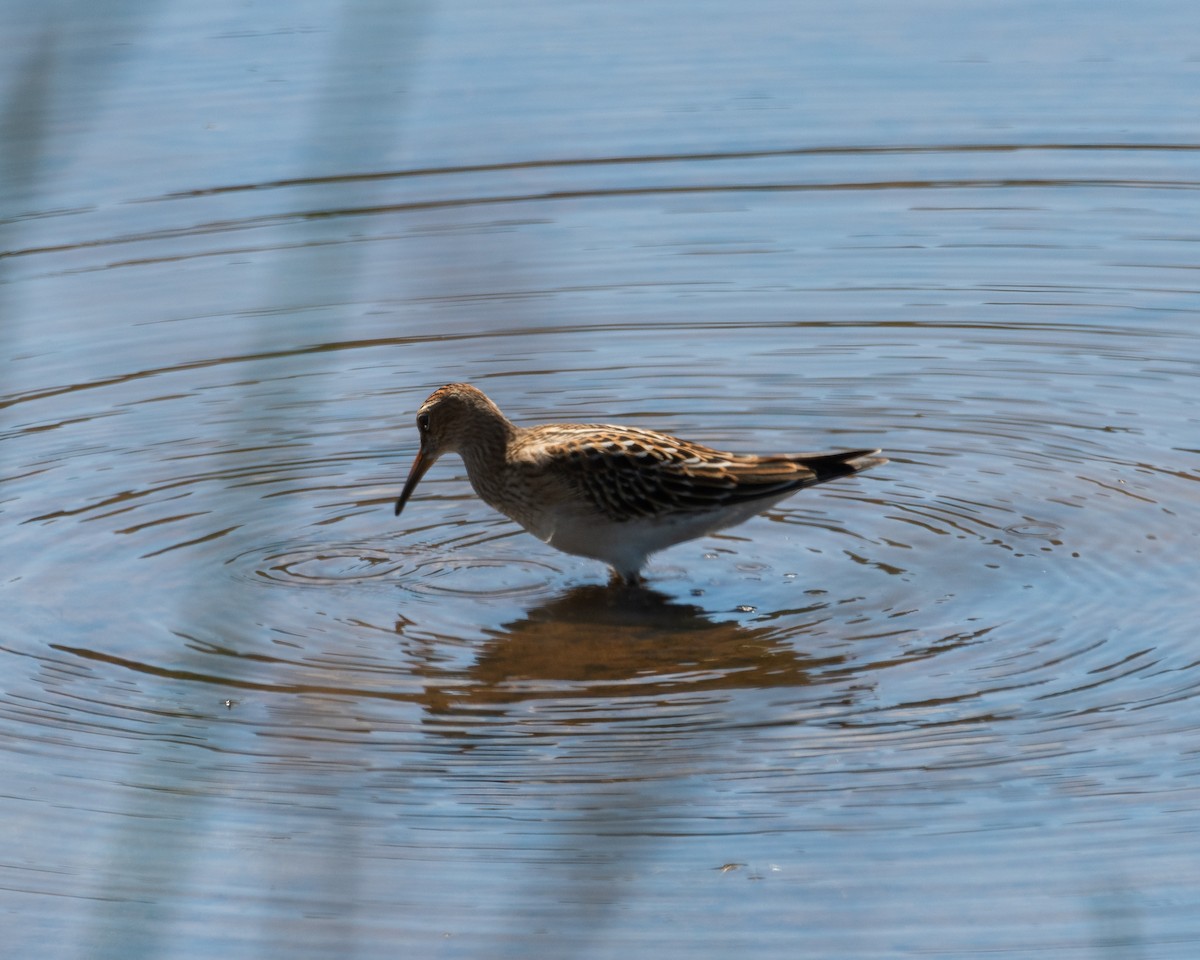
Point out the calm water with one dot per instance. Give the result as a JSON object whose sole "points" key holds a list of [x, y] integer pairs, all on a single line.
{"points": [[945, 709]]}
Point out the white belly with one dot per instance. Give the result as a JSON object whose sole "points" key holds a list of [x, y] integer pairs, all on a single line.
{"points": [[625, 545]]}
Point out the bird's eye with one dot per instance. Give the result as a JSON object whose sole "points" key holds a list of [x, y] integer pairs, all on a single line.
{"points": [[423, 422]]}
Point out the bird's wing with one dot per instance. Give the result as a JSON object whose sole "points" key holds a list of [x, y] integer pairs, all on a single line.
{"points": [[627, 473]]}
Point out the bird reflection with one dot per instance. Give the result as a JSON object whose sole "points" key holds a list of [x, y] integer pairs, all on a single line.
{"points": [[620, 687], [617, 641]]}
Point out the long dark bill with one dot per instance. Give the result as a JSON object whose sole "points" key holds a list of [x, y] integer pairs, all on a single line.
{"points": [[420, 465]]}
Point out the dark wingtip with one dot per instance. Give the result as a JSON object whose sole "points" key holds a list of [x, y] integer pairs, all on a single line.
{"points": [[831, 466]]}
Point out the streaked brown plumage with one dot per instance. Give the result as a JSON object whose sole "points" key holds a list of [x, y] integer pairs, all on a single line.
{"points": [[616, 494]]}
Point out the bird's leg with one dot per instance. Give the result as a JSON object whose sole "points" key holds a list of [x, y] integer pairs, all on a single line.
{"points": [[619, 578]]}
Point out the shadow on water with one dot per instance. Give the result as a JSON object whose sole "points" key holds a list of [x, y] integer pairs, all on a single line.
{"points": [[354, 125], [618, 641], [596, 702], [24, 118]]}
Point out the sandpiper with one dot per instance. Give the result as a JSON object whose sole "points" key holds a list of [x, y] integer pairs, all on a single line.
{"points": [[616, 494]]}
